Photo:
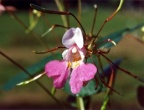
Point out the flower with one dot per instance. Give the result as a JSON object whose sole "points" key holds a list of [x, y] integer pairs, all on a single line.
{"points": [[8, 8], [72, 65], [2, 8]]}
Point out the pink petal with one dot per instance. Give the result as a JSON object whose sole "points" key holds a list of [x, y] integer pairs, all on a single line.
{"points": [[10, 8], [81, 74], [59, 71], [2, 8], [72, 37]]}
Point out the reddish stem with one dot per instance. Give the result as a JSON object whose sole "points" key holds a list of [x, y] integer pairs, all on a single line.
{"points": [[125, 71]]}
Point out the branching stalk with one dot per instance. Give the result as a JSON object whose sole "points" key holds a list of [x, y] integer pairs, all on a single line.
{"points": [[60, 7], [110, 83], [123, 70], [53, 27], [94, 19], [51, 50], [109, 18], [26, 28], [57, 12]]}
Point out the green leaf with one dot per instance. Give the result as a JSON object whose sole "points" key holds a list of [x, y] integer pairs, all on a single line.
{"points": [[116, 36], [90, 88], [33, 70]]}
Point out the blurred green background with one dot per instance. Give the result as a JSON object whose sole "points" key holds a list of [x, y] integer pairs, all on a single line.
{"points": [[18, 45]]}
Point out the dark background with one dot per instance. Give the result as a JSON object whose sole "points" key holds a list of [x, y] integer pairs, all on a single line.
{"points": [[24, 4]]}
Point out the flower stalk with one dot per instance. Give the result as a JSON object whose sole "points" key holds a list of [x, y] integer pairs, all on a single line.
{"points": [[80, 103], [108, 19], [108, 91], [79, 10], [60, 7]]}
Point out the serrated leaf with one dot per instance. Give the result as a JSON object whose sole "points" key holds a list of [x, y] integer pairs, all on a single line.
{"points": [[33, 70], [116, 36], [90, 88]]}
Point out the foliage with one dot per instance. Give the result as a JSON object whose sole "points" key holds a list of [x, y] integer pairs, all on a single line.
{"points": [[96, 48]]}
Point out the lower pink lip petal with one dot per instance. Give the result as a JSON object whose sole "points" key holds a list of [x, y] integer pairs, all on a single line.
{"points": [[81, 74], [59, 71]]}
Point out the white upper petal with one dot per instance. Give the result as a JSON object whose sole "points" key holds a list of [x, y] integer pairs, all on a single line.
{"points": [[72, 37], [78, 37]]}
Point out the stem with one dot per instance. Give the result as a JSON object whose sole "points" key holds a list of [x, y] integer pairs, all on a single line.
{"points": [[66, 8], [31, 80], [31, 17], [39, 83], [53, 91], [52, 27], [109, 18], [78, 22], [79, 10], [80, 103], [123, 70], [48, 23], [34, 16], [110, 83], [51, 50], [57, 12], [95, 7], [100, 64], [26, 28], [32, 25], [103, 107], [105, 84], [59, 5], [119, 7]]}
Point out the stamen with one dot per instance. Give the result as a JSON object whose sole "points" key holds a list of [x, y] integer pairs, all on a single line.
{"points": [[75, 64], [69, 64]]}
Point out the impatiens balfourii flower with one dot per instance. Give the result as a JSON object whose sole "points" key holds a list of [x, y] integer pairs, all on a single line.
{"points": [[8, 8], [72, 66]]}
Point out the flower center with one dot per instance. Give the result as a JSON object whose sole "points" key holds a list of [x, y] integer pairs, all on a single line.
{"points": [[75, 55], [75, 58]]}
